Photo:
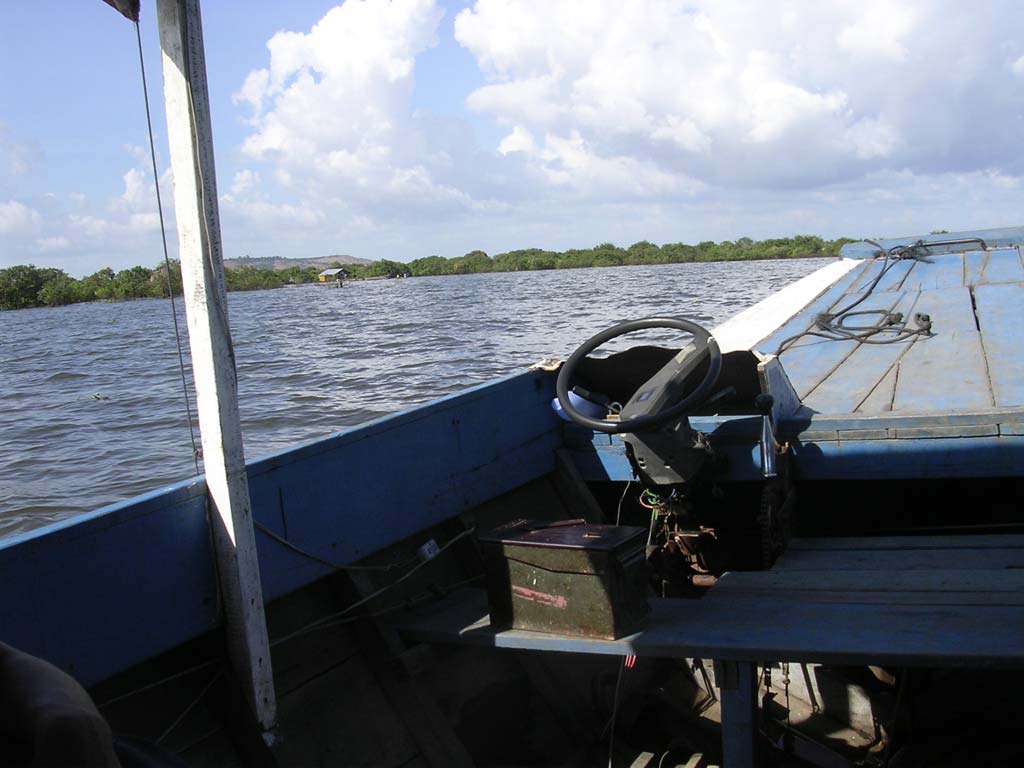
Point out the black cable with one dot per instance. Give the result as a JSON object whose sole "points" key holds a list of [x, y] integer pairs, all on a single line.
{"points": [[196, 452], [832, 326]]}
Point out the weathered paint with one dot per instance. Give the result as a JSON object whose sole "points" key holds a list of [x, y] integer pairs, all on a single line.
{"points": [[101, 592], [190, 137]]}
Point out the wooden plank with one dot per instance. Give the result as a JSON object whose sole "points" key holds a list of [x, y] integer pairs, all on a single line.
{"points": [[976, 417], [860, 373], [737, 683], [136, 576], [811, 360], [879, 399], [923, 587], [1002, 266], [190, 137], [742, 629], [941, 270], [896, 275], [434, 461], [1000, 310], [805, 319], [574, 490], [946, 371], [876, 543], [744, 330], [901, 560], [867, 276], [974, 265], [945, 458]]}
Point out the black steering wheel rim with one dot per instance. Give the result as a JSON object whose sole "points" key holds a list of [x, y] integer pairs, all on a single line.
{"points": [[701, 337]]}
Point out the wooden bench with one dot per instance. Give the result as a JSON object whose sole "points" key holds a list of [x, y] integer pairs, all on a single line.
{"points": [[950, 601]]}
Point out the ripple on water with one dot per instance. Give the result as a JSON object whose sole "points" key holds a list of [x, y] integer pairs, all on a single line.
{"points": [[310, 362]]}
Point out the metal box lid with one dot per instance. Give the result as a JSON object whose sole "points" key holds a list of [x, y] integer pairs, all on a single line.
{"points": [[565, 534]]}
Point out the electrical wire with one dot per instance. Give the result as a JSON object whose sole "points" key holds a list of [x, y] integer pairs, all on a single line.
{"points": [[338, 614], [615, 711], [329, 563], [618, 514], [196, 452], [832, 326], [167, 732]]}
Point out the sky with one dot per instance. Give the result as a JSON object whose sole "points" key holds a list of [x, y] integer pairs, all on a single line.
{"points": [[416, 127]]}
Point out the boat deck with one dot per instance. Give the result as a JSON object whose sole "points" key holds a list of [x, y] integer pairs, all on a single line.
{"points": [[931, 602], [973, 362], [954, 601]]}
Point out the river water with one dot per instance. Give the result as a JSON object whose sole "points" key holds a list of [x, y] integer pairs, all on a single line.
{"points": [[91, 410]]}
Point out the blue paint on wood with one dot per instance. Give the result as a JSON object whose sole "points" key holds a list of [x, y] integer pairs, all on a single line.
{"points": [[354, 493], [805, 319], [944, 270], [776, 630], [864, 369], [947, 371], [974, 265], [1006, 236], [99, 593], [1003, 266], [911, 459], [813, 359], [1000, 311]]}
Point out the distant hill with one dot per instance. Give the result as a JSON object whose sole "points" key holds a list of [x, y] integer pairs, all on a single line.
{"points": [[279, 262]]}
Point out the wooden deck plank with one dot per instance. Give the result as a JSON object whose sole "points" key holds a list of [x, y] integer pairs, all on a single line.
{"points": [[946, 371], [931, 587], [877, 543], [868, 275], [743, 629], [896, 276], [974, 265], [941, 270], [811, 359], [901, 560], [805, 319], [862, 370], [879, 399], [1000, 311], [1003, 266]]}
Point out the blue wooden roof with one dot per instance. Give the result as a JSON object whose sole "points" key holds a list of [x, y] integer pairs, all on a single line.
{"points": [[973, 362]]}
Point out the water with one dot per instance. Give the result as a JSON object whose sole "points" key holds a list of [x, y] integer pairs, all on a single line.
{"points": [[91, 409]]}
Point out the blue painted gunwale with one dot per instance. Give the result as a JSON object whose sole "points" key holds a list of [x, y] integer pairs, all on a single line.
{"points": [[1002, 236], [106, 590]]}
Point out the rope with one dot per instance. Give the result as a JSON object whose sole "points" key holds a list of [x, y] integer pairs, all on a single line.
{"points": [[196, 452], [832, 326]]}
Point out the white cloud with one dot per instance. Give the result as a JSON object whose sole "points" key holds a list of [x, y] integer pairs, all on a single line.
{"points": [[796, 94], [51, 244], [635, 119], [244, 182], [879, 30], [872, 138], [519, 140], [331, 112], [17, 218], [17, 158]]}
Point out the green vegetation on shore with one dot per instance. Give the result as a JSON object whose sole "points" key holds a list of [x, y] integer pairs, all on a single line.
{"points": [[29, 286]]}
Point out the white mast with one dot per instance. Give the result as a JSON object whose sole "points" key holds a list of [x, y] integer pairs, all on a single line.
{"points": [[202, 271]]}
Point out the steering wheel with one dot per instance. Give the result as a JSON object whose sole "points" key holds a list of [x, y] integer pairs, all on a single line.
{"points": [[703, 342]]}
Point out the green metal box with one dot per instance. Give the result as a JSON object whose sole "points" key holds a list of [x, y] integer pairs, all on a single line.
{"points": [[567, 577]]}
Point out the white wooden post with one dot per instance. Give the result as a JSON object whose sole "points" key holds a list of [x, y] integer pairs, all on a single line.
{"points": [[213, 363]]}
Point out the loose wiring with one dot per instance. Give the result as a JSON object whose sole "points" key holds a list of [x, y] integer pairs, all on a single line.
{"points": [[833, 326]]}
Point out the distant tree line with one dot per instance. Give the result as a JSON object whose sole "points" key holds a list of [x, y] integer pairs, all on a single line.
{"points": [[29, 286]]}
